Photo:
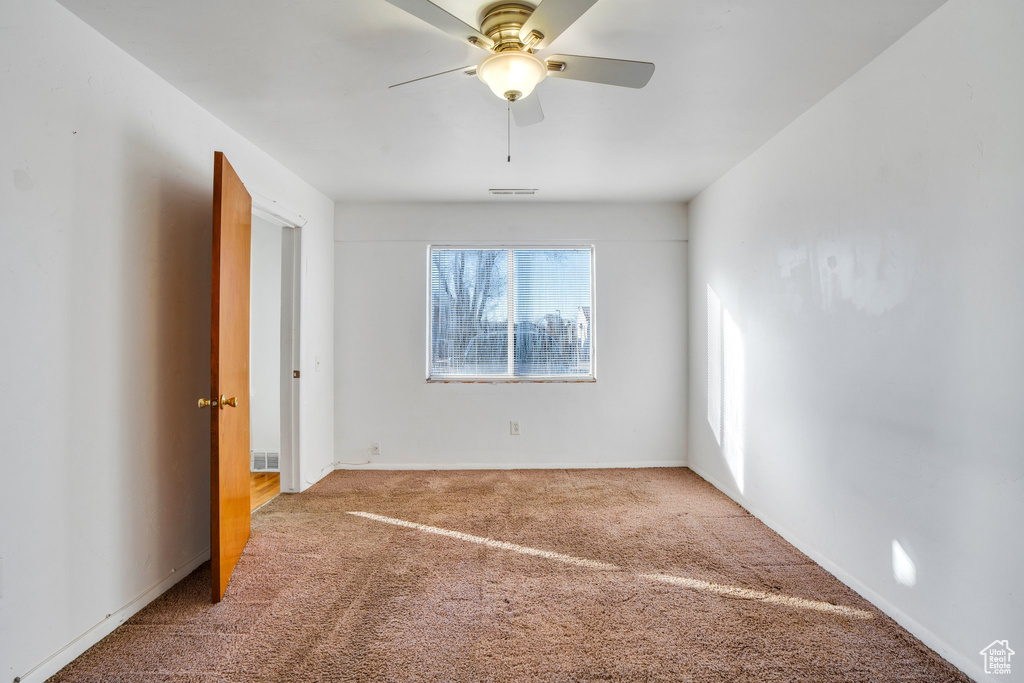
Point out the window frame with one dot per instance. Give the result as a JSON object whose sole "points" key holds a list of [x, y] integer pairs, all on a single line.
{"points": [[514, 379]]}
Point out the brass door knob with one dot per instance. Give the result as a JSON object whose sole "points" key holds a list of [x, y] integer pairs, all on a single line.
{"points": [[206, 403], [225, 401]]}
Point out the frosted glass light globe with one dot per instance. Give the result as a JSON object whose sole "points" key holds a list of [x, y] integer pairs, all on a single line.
{"points": [[512, 75]]}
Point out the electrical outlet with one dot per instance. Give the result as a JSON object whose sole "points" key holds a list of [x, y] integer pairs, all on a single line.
{"points": [[375, 448], [513, 427]]}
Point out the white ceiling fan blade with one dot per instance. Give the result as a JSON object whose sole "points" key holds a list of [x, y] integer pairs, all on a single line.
{"points": [[599, 70], [449, 23], [527, 111], [435, 81], [551, 18]]}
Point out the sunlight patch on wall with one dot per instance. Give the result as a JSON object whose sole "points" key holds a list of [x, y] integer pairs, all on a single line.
{"points": [[715, 364], [726, 385], [733, 397], [903, 568]]}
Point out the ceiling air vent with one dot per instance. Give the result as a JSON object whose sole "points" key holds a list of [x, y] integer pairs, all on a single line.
{"points": [[507, 192]]}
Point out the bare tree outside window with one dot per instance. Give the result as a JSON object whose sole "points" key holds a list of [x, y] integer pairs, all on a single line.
{"points": [[469, 311]]}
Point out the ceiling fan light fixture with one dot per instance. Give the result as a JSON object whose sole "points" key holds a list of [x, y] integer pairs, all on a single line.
{"points": [[512, 75]]}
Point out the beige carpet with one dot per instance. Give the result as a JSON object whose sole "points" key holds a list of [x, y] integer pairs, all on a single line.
{"points": [[546, 575]]}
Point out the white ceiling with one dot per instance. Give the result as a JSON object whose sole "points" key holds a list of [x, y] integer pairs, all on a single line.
{"points": [[307, 80]]}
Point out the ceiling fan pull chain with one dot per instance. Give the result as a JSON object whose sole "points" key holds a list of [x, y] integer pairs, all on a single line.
{"points": [[508, 127]]}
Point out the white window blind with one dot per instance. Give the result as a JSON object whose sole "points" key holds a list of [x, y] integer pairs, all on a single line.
{"points": [[511, 313]]}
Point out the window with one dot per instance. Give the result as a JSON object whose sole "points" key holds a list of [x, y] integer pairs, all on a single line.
{"points": [[508, 314]]}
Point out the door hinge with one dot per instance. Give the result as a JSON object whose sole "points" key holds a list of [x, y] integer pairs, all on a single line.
{"points": [[295, 374]]}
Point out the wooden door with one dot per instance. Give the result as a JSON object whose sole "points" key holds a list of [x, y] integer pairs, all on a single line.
{"points": [[229, 377]]}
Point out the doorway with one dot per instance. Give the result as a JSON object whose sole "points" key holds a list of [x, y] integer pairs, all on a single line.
{"points": [[273, 354]]}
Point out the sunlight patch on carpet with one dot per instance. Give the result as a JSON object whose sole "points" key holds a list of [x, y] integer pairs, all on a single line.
{"points": [[684, 582]]}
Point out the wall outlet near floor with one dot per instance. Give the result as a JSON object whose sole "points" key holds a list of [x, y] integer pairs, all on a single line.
{"points": [[375, 448], [513, 427]]}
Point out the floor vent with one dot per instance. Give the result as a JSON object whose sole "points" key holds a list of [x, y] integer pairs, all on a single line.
{"points": [[265, 461]]}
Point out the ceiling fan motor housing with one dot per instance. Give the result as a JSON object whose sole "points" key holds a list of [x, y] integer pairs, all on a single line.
{"points": [[503, 22]]}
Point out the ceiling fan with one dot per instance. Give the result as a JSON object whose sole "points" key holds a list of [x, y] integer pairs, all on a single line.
{"points": [[511, 32]]}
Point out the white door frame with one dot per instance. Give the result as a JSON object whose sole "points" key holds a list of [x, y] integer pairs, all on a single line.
{"points": [[291, 283]]}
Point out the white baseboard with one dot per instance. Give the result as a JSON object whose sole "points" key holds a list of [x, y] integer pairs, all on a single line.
{"points": [[956, 658], [623, 464], [67, 654]]}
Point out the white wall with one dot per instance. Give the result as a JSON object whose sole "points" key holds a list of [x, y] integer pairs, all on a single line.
{"points": [[868, 264], [265, 337], [635, 414], [105, 211]]}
